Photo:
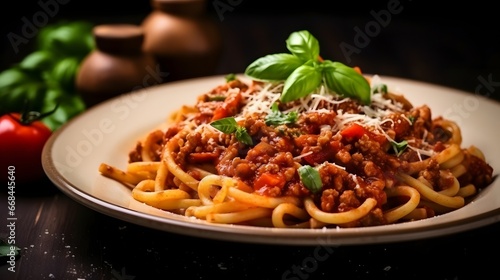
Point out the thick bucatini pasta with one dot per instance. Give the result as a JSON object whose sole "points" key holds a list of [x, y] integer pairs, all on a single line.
{"points": [[321, 161]]}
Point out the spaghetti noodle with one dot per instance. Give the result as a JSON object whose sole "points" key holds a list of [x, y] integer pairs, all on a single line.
{"points": [[321, 161]]}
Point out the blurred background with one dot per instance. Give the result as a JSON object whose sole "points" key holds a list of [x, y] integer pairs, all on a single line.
{"points": [[448, 44]]}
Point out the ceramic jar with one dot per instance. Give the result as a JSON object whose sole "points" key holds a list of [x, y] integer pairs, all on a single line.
{"points": [[117, 65], [184, 39]]}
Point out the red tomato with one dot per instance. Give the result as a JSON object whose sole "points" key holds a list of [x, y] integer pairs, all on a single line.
{"points": [[21, 147], [229, 107]]}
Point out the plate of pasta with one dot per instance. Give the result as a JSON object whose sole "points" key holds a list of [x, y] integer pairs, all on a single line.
{"points": [[104, 138], [357, 160]]}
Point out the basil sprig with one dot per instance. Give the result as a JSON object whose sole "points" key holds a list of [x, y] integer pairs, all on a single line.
{"points": [[229, 125], [303, 71]]}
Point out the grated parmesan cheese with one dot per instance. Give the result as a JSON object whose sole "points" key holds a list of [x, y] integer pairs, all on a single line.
{"points": [[373, 116]]}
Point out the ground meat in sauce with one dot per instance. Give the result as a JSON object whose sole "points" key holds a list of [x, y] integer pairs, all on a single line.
{"points": [[351, 169], [136, 154], [479, 172]]}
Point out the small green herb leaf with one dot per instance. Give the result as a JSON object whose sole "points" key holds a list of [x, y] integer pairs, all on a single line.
{"points": [[412, 119], [230, 77], [399, 147], [345, 81], [229, 125], [243, 136], [303, 45], [310, 178], [301, 83], [380, 88], [225, 125], [273, 67], [217, 98], [276, 117]]}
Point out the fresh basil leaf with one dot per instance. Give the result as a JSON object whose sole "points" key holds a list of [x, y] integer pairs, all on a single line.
{"points": [[303, 45], [310, 178], [67, 38], [230, 77], [380, 88], [217, 98], [412, 119], [345, 81], [276, 117], [399, 147], [300, 83], [17, 86], [45, 77], [243, 136], [225, 125], [38, 61], [14, 77], [229, 125], [273, 67], [303, 71], [64, 73], [68, 106]]}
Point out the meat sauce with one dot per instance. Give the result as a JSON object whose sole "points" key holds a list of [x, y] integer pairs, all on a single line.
{"points": [[354, 163]]}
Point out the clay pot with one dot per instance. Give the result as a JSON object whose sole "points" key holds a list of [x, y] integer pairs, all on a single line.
{"points": [[117, 65], [184, 39]]}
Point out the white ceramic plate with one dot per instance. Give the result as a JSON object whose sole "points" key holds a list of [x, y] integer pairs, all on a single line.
{"points": [[106, 133]]}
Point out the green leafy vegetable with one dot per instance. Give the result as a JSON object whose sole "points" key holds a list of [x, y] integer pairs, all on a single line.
{"points": [[38, 61], [229, 125], [67, 38], [273, 67], [217, 98], [276, 117], [304, 70], [399, 147], [412, 119], [380, 88], [225, 125], [64, 72], [310, 178], [46, 77], [303, 45], [345, 80], [230, 77], [301, 83], [243, 136]]}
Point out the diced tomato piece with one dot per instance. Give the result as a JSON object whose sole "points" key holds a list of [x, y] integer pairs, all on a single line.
{"points": [[229, 108], [269, 180], [354, 130], [318, 157]]}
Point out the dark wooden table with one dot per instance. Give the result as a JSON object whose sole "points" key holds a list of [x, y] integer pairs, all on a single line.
{"points": [[62, 239]]}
